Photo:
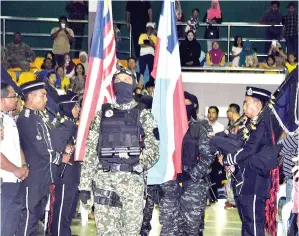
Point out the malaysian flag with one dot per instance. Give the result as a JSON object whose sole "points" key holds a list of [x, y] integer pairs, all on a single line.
{"points": [[102, 65], [169, 103]]}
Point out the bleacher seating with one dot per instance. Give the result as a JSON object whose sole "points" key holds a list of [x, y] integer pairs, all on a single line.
{"points": [[26, 77]]}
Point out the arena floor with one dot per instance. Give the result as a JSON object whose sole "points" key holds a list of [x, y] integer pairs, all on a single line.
{"points": [[219, 222]]}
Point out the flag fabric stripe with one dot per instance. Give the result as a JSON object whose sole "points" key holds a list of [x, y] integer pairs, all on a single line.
{"points": [[168, 104], [102, 65]]}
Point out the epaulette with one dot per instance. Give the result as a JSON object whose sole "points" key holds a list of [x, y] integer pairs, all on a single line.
{"points": [[28, 112]]}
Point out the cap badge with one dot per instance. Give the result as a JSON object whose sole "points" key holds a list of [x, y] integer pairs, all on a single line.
{"points": [[249, 92]]}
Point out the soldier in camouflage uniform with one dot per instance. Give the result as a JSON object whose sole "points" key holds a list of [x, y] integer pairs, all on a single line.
{"points": [[196, 160], [182, 208], [18, 54], [117, 179]]}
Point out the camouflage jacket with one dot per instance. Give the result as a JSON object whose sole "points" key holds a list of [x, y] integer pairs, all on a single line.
{"points": [[91, 168], [200, 129], [18, 52]]}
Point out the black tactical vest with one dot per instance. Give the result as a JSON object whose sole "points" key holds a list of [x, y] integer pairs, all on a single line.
{"points": [[190, 150], [120, 132]]}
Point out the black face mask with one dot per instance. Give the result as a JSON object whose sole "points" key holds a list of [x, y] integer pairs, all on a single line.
{"points": [[123, 92], [190, 110]]}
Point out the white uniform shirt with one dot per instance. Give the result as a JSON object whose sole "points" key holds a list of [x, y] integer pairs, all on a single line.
{"points": [[10, 147], [217, 127]]}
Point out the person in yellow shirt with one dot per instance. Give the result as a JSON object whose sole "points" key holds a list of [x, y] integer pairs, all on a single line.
{"points": [[291, 64], [65, 81], [270, 64], [147, 42]]}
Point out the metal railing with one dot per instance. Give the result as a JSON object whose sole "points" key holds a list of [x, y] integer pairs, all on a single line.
{"points": [[4, 32], [232, 69], [229, 39]]}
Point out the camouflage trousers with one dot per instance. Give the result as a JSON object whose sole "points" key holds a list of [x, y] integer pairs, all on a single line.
{"points": [[192, 207], [148, 211], [182, 210], [126, 217], [169, 207]]}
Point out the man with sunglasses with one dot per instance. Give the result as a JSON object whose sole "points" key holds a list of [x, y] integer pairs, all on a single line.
{"points": [[43, 147], [13, 168], [121, 145]]}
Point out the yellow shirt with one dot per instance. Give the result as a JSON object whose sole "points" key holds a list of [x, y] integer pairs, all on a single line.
{"points": [[65, 83], [149, 49], [270, 67], [291, 67]]}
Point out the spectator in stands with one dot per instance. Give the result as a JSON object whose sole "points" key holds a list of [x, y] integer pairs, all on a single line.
{"points": [[248, 57], [190, 50], [78, 80], [117, 36], [18, 54], [179, 17], [52, 94], [216, 56], [68, 65], [47, 67], [147, 42], [83, 56], [138, 77], [270, 64], [149, 88], [291, 64], [192, 24], [290, 29], [138, 13], [213, 113], [212, 16], [51, 82], [236, 50], [62, 36], [137, 94], [51, 55], [77, 10], [272, 17], [65, 81], [277, 52]]}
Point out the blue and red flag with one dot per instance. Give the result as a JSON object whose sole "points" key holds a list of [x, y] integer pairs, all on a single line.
{"points": [[169, 103], [101, 67]]}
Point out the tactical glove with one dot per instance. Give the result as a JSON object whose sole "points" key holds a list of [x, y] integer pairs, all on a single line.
{"points": [[84, 196]]}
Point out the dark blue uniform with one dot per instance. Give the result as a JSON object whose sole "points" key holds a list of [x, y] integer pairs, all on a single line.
{"points": [[66, 192], [66, 198], [255, 160]]}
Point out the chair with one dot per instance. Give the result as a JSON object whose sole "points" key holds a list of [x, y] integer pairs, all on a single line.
{"points": [[13, 75], [37, 64], [76, 60], [26, 77], [124, 63], [16, 69]]}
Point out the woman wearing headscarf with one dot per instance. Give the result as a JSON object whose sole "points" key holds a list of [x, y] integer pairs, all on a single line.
{"points": [[216, 56], [248, 57], [68, 66], [212, 16], [190, 50], [83, 56]]}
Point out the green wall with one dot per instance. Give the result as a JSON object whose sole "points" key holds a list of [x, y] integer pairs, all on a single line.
{"points": [[233, 11]]}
